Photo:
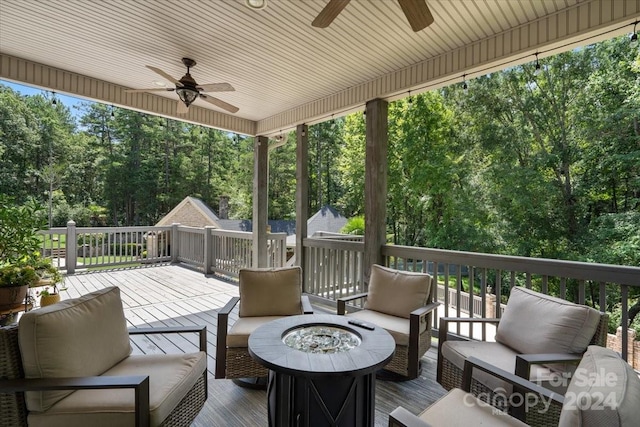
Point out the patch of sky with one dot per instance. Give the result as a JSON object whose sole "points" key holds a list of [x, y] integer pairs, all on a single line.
{"points": [[74, 104]]}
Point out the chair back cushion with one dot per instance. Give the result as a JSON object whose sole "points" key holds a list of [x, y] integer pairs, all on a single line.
{"points": [[270, 291], [396, 292], [536, 323], [604, 391], [78, 337]]}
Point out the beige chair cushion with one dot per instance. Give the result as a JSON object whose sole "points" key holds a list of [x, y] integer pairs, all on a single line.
{"points": [[536, 323], [498, 355], [238, 335], [270, 292], [458, 408], [395, 292], [604, 391], [171, 376], [398, 327], [75, 338]]}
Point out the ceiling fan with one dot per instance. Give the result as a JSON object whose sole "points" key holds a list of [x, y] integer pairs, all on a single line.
{"points": [[188, 90], [416, 11]]}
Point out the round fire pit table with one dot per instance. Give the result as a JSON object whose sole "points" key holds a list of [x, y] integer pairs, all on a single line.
{"points": [[321, 369]]}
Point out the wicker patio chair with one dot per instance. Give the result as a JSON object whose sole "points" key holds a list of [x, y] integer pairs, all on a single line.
{"points": [[603, 391], [401, 303], [549, 334], [265, 295], [71, 346]]}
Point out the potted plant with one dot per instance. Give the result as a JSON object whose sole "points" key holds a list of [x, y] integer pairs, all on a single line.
{"points": [[49, 277], [21, 265]]}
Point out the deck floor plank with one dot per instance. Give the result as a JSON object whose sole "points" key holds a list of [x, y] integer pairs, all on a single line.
{"points": [[171, 295]]}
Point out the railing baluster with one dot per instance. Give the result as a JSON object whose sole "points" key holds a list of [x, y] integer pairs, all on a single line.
{"points": [[498, 293], [624, 323]]}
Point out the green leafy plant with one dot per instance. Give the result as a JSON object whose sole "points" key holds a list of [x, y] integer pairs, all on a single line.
{"points": [[20, 260]]}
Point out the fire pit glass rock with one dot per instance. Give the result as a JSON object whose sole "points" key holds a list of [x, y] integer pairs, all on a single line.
{"points": [[321, 339]]}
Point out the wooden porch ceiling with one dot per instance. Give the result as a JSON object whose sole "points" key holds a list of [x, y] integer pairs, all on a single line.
{"points": [[285, 71]]}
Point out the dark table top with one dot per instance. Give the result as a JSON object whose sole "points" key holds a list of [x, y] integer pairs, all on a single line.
{"points": [[266, 347]]}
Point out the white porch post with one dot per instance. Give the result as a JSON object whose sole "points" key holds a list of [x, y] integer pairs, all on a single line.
{"points": [[71, 255], [260, 200], [375, 184], [302, 193]]}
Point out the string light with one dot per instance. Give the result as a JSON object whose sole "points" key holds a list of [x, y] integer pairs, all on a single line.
{"points": [[112, 113], [410, 100], [465, 86], [53, 99], [538, 68], [634, 36]]}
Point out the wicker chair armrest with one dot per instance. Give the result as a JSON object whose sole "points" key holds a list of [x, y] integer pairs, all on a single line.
{"points": [[221, 337], [307, 308], [229, 306], [200, 329], [140, 384], [525, 361], [344, 300], [520, 385], [422, 311], [400, 417]]}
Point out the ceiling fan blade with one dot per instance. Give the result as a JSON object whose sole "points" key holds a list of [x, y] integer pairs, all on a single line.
{"points": [[417, 13], [329, 13], [165, 75], [219, 103], [154, 89], [182, 108], [216, 87]]}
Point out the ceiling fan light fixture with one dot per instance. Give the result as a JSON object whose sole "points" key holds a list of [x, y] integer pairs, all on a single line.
{"points": [[256, 4], [187, 95]]}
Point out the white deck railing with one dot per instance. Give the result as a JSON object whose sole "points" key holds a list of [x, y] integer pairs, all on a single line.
{"points": [[334, 268], [206, 249]]}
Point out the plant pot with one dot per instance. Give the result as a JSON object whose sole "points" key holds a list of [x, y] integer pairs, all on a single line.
{"points": [[12, 296], [49, 299]]}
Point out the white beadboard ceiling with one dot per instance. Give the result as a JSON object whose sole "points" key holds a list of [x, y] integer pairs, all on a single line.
{"points": [[285, 71]]}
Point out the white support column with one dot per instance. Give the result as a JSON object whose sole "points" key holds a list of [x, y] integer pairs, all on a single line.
{"points": [[71, 260], [302, 193], [375, 184], [260, 200]]}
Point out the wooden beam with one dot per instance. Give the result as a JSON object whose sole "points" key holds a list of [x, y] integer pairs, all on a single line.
{"points": [[260, 200], [375, 184]]}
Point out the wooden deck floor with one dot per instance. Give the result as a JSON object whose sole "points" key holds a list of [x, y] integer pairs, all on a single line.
{"points": [[172, 295]]}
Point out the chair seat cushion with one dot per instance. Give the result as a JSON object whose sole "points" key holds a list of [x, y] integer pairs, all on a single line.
{"points": [[398, 327], [604, 390], [171, 376], [458, 408], [238, 335], [498, 355], [536, 323], [396, 292]]}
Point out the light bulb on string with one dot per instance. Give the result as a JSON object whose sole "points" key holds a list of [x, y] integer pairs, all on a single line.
{"points": [[634, 36], [538, 68]]}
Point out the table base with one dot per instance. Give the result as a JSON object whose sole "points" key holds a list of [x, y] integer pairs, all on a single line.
{"points": [[343, 401]]}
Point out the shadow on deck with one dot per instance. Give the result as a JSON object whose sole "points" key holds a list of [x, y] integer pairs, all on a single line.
{"points": [[172, 295]]}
